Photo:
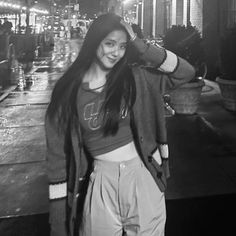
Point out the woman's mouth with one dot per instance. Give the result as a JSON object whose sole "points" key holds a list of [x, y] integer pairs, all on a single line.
{"points": [[112, 60]]}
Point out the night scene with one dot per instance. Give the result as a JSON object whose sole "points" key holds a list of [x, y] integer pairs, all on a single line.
{"points": [[117, 117]]}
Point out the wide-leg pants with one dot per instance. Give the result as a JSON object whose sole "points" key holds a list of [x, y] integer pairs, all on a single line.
{"points": [[123, 199]]}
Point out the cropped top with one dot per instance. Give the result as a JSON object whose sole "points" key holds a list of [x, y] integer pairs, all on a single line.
{"points": [[89, 104]]}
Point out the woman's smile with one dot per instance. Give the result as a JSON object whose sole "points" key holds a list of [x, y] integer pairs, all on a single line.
{"points": [[112, 49], [112, 60]]}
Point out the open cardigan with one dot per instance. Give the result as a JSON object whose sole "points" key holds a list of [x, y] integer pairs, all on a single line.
{"points": [[67, 163]]}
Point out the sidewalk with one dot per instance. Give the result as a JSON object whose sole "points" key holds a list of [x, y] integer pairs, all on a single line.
{"points": [[203, 149]]}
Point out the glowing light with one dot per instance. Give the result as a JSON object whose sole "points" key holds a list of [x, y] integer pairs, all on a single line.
{"points": [[45, 12], [126, 1], [9, 5], [18, 7]]}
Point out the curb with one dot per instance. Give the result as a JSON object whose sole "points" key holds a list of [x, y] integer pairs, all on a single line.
{"points": [[7, 91]]}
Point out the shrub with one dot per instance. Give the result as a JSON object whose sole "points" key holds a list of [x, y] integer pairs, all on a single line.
{"points": [[186, 42]]}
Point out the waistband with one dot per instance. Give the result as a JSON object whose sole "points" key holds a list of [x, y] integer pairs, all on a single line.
{"points": [[113, 165]]}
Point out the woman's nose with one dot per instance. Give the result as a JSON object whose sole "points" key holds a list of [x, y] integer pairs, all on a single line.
{"points": [[116, 52]]}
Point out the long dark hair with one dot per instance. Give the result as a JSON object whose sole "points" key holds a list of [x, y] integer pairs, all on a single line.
{"points": [[119, 85]]}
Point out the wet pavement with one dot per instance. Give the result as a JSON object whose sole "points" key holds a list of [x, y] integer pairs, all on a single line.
{"points": [[22, 138], [202, 187]]}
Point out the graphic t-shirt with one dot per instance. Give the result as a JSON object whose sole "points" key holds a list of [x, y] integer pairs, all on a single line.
{"points": [[91, 120]]}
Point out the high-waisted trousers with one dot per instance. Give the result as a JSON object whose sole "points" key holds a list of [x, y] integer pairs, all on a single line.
{"points": [[123, 199]]}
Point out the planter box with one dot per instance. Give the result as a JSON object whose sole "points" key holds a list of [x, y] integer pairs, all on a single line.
{"points": [[185, 99], [228, 93]]}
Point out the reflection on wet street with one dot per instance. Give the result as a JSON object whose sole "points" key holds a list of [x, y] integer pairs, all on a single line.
{"points": [[43, 75], [22, 138], [46, 70]]}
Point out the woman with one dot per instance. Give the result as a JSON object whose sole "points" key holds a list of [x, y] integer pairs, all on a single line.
{"points": [[106, 137]]}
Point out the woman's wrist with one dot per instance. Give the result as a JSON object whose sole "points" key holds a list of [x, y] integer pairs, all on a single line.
{"points": [[133, 37]]}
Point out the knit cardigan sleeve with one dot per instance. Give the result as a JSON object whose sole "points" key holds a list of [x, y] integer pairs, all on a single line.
{"points": [[56, 172], [177, 70]]}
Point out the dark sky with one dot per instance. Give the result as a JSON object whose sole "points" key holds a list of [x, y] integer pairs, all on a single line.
{"points": [[89, 6]]}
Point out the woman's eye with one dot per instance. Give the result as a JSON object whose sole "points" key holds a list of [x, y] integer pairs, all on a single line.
{"points": [[109, 44], [123, 46]]}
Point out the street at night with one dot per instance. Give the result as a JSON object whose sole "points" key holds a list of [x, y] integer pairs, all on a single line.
{"points": [[43, 43]]}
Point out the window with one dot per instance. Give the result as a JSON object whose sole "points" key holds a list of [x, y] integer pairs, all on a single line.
{"points": [[231, 13], [168, 13]]}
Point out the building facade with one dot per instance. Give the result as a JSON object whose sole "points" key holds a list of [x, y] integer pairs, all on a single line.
{"points": [[211, 17]]}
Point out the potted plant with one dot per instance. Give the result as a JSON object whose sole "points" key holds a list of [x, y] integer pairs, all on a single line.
{"points": [[227, 77], [186, 42]]}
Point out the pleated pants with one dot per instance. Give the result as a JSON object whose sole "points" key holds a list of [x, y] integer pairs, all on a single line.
{"points": [[123, 199]]}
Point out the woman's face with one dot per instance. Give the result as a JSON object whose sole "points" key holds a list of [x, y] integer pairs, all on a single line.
{"points": [[112, 49]]}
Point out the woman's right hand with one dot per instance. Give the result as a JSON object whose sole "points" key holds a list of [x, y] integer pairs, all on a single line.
{"points": [[129, 29]]}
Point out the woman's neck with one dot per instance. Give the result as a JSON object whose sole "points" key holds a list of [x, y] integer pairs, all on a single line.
{"points": [[96, 72], [95, 76]]}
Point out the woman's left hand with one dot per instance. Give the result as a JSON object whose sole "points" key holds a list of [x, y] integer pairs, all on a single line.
{"points": [[129, 29]]}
